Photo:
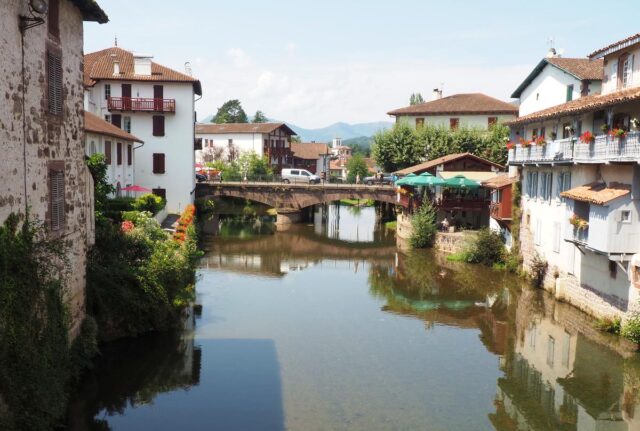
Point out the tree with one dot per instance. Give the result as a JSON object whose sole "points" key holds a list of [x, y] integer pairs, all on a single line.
{"points": [[424, 226], [415, 99], [259, 117], [102, 188], [230, 112], [356, 166], [296, 138], [397, 148]]}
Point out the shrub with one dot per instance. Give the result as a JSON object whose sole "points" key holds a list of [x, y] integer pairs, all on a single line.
{"points": [[538, 269], [631, 328], [424, 226], [487, 249], [612, 326], [149, 202]]}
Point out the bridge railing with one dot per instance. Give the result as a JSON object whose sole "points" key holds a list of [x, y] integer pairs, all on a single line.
{"points": [[277, 179]]}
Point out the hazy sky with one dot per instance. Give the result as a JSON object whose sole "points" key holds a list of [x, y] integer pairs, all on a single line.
{"points": [[313, 63]]}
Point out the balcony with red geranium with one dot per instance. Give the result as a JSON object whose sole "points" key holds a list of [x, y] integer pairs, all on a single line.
{"points": [[141, 104]]}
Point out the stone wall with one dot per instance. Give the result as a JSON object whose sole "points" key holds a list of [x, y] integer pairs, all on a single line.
{"points": [[32, 138], [455, 242]]}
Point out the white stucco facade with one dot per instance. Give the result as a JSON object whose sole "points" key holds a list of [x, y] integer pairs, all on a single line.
{"points": [[465, 121], [613, 69], [244, 142], [121, 174]]}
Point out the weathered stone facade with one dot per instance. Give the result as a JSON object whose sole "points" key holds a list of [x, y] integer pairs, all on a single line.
{"points": [[33, 140]]}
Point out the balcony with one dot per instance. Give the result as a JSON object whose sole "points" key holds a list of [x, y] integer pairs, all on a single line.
{"points": [[462, 204], [604, 149], [500, 210], [578, 236], [139, 104]]}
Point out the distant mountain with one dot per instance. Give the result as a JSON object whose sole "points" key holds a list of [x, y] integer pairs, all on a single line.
{"points": [[340, 130], [361, 141]]}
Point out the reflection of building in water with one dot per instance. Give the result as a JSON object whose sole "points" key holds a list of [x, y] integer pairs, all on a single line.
{"points": [[556, 378]]}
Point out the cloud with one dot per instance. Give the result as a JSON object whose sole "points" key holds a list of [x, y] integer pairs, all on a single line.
{"points": [[290, 49], [239, 57]]}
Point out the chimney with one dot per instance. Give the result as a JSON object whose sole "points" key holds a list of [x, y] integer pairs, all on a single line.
{"points": [[116, 68], [142, 64], [437, 94]]}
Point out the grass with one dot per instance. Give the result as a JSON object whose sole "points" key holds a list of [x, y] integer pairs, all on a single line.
{"points": [[357, 202], [391, 225], [458, 257]]}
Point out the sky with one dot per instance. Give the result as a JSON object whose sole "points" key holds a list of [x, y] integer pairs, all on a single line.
{"points": [[314, 63]]}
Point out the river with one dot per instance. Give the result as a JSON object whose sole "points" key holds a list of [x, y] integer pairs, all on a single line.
{"points": [[328, 326]]}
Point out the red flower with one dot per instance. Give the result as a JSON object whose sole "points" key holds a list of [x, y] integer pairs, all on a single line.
{"points": [[127, 226]]}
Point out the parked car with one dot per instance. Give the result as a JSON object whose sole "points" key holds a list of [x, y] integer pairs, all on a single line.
{"points": [[374, 179], [299, 176], [201, 177]]}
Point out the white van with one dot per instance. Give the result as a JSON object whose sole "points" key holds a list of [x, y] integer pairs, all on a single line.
{"points": [[299, 176]]}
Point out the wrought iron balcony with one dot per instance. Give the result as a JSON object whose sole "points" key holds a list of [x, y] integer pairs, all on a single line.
{"points": [[140, 104]]}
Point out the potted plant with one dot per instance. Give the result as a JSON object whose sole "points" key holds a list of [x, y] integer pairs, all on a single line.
{"points": [[569, 130], [604, 128], [619, 133], [587, 138], [540, 141], [510, 145], [554, 135], [578, 222]]}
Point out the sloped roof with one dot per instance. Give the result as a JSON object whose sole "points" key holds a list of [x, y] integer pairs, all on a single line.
{"points": [[597, 193], [217, 129], [95, 124], [309, 150], [581, 68], [581, 105], [621, 44], [459, 104], [499, 181], [99, 66], [478, 176], [91, 11], [419, 168]]}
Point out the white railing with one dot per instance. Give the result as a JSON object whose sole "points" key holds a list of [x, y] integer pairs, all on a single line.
{"points": [[604, 149]]}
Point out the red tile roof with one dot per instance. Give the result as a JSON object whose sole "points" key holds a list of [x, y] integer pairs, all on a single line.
{"points": [[309, 151], [581, 68], [217, 129], [581, 105], [621, 44], [445, 159], [597, 193], [99, 66], [95, 124], [499, 181], [459, 104]]}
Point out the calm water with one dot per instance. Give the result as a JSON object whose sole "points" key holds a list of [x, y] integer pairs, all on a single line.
{"points": [[328, 326]]}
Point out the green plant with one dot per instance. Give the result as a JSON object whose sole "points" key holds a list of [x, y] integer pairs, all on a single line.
{"points": [[538, 269], [612, 326], [149, 202], [487, 248], [102, 189], [424, 226], [356, 167], [631, 328]]}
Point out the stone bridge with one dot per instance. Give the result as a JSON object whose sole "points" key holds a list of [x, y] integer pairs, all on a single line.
{"points": [[290, 199]]}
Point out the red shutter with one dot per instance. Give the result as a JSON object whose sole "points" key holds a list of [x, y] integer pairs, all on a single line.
{"points": [[158, 163], [129, 155], [158, 125], [54, 83], [119, 153], [53, 15], [107, 152]]}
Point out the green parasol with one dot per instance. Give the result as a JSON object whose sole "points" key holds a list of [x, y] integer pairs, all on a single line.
{"points": [[461, 182], [404, 180]]}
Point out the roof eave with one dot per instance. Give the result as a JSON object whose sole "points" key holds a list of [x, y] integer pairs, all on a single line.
{"points": [[91, 11], [529, 79]]}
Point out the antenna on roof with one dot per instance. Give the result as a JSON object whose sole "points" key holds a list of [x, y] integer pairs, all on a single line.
{"points": [[187, 68], [116, 40], [552, 50]]}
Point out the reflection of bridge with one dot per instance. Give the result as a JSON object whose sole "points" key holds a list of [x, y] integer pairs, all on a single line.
{"points": [[290, 199], [294, 248]]}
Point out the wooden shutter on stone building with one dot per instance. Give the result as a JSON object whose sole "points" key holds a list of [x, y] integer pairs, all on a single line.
{"points": [[56, 197], [54, 82]]}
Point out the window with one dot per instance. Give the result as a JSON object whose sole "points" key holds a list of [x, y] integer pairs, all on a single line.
{"points": [[129, 155], [126, 122], [107, 118], [158, 125], [107, 152], [546, 183], [116, 120], [556, 236], [566, 130], [626, 69], [419, 122], [537, 96], [158, 163], [53, 18], [625, 216], [119, 153], [569, 93], [160, 192], [532, 184], [534, 133], [107, 91], [564, 184], [454, 123], [551, 351], [613, 269], [54, 82], [492, 121], [543, 131], [56, 196], [230, 142]]}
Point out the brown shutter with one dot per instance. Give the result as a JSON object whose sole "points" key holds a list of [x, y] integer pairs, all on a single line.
{"points": [[54, 83], [53, 15], [158, 163], [56, 198], [119, 153], [158, 125], [107, 152], [129, 155], [116, 120], [160, 192], [453, 123]]}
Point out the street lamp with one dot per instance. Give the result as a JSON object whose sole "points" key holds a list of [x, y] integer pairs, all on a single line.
{"points": [[37, 9]]}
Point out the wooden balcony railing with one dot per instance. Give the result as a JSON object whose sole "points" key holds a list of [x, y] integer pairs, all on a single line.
{"points": [[604, 149], [141, 104], [449, 204]]}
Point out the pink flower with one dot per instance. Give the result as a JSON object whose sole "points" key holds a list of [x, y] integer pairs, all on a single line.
{"points": [[127, 226]]}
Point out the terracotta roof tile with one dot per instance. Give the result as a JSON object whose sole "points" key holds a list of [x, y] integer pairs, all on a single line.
{"points": [[460, 104], [309, 151], [95, 124], [581, 105], [581, 68], [597, 193], [99, 66], [499, 181], [419, 168], [628, 41], [214, 129]]}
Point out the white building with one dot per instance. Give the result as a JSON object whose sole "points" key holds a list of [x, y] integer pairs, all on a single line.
{"points": [[118, 147], [154, 103], [581, 188], [474, 110], [556, 80], [228, 141]]}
